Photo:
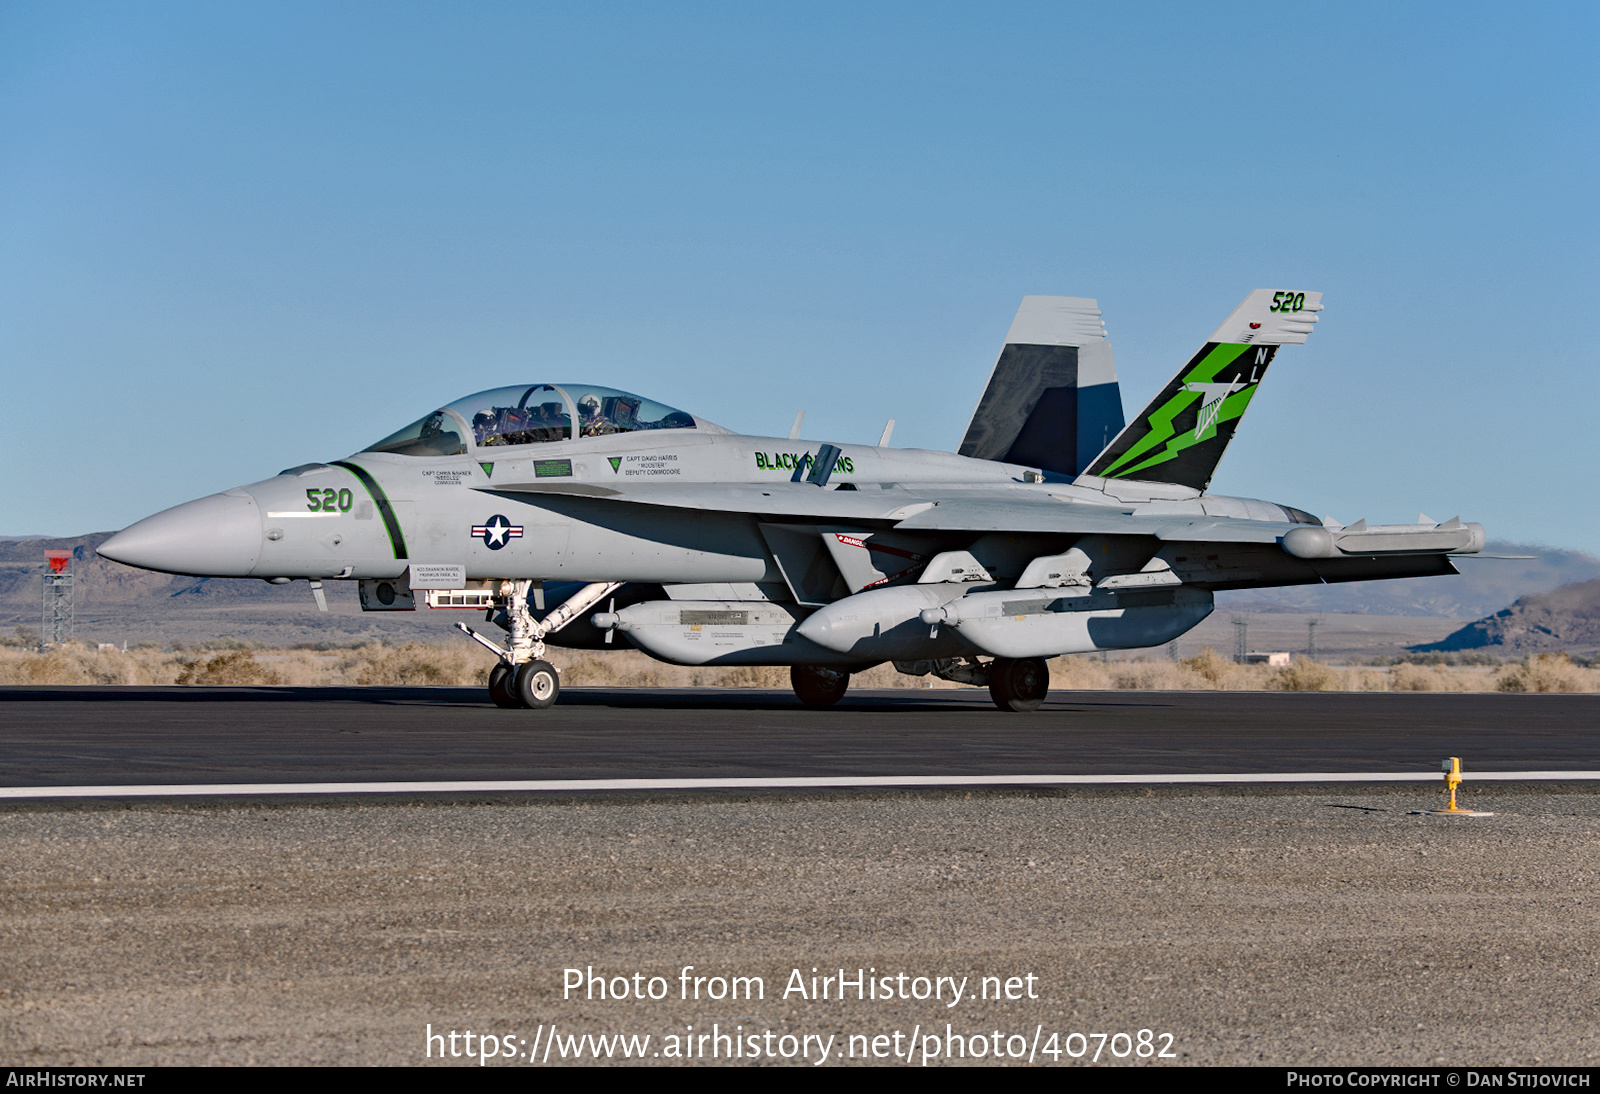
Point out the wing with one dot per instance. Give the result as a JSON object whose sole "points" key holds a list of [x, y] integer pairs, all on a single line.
{"points": [[1009, 527], [945, 509]]}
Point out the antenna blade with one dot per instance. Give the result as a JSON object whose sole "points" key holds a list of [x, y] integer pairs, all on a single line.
{"points": [[794, 430], [822, 468]]}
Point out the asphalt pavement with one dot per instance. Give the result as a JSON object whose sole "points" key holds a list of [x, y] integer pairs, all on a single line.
{"points": [[69, 736]]}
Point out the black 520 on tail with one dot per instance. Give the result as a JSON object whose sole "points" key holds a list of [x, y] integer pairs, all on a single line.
{"points": [[572, 514]]}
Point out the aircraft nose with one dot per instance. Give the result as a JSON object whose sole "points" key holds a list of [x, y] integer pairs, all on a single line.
{"points": [[218, 536]]}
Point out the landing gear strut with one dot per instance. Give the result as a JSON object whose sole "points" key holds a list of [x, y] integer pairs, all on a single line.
{"points": [[1019, 685], [523, 678], [817, 686]]}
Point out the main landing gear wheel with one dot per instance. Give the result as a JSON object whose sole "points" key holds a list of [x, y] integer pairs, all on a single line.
{"points": [[1019, 685], [500, 689], [817, 686], [537, 684]]}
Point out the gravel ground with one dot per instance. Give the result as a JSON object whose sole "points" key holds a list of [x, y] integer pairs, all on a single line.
{"points": [[1305, 926]]}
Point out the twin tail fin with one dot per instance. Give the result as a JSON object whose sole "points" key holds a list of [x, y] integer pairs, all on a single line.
{"points": [[1052, 400], [1181, 436]]}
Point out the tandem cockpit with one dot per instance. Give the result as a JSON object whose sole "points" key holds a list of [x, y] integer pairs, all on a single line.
{"points": [[532, 414]]}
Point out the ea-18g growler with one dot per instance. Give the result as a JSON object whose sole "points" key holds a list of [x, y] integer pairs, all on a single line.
{"points": [[582, 516]]}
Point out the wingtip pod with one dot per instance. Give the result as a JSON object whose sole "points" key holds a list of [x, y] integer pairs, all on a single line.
{"points": [[1453, 537], [1271, 317]]}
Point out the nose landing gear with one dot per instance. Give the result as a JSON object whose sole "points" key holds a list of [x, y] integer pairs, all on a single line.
{"points": [[537, 684], [501, 691], [533, 685], [521, 677]]}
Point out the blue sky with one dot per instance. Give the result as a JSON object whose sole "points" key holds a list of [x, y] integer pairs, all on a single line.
{"points": [[234, 238]]}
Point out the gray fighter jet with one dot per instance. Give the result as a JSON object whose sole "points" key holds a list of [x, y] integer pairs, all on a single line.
{"points": [[572, 514]]}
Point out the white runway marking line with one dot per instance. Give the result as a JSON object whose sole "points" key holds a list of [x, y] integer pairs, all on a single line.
{"points": [[817, 782]]}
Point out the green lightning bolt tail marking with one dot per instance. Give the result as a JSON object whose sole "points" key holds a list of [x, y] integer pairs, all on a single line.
{"points": [[1181, 436]]}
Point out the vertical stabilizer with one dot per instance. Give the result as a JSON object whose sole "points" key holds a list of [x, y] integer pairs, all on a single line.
{"points": [[1181, 436], [1052, 400]]}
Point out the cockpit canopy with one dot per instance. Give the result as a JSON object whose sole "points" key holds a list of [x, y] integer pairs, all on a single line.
{"points": [[531, 414]]}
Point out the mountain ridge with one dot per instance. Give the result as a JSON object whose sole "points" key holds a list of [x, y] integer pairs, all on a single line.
{"points": [[1563, 620]]}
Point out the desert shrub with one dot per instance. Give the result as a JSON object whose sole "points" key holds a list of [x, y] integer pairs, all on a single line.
{"points": [[417, 664], [878, 676], [1143, 675], [233, 667], [1210, 666], [1445, 658], [1079, 674], [57, 666], [1367, 680], [35, 668], [226, 642], [1544, 672], [74, 664], [1412, 677], [1303, 674], [756, 676], [617, 668]]}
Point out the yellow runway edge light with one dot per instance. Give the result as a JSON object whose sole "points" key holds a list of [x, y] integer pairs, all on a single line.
{"points": [[1452, 779]]}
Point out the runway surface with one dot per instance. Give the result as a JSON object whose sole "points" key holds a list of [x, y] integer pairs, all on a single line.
{"points": [[73, 736]]}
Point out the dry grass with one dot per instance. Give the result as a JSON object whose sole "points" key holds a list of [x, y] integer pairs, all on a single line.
{"points": [[419, 664], [1545, 672], [232, 667]]}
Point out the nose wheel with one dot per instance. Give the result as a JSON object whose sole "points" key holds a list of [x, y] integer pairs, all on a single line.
{"points": [[537, 684], [1019, 685], [534, 685], [500, 686]]}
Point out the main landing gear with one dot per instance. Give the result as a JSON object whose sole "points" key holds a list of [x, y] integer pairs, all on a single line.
{"points": [[1019, 685], [817, 686]]}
